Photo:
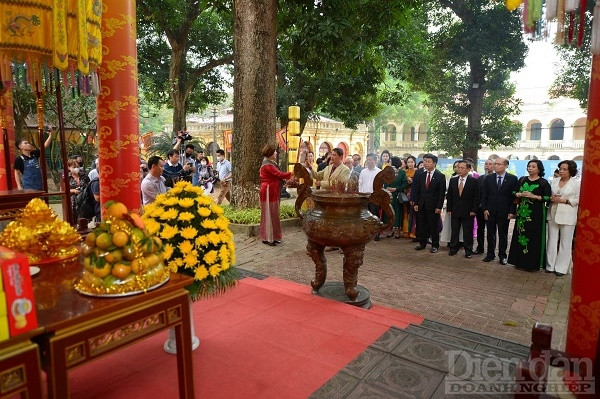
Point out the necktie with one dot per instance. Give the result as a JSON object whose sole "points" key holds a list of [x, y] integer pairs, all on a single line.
{"points": [[460, 186], [499, 181], [428, 180]]}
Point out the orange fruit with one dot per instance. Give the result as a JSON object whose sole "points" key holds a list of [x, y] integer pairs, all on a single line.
{"points": [[129, 252], [104, 241], [135, 266], [121, 271], [114, 256], [120, 238], [88, 264], [137, 235], [103, 271], [137, 220], [115, 209], [86, 249], [90, 239], [152, 260]]}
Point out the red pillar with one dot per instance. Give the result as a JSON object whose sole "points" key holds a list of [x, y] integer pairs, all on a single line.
{"points": [[118, 128], [584, 312], [7, 122]]}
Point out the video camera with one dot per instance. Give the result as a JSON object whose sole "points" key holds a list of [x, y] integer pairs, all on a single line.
{"points": [[185, 136]]}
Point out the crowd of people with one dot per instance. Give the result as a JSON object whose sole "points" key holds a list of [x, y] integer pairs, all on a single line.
{"points": [[478, 207]]}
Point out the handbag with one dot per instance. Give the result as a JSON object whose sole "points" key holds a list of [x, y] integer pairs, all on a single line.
{"points": [[403, 198]]}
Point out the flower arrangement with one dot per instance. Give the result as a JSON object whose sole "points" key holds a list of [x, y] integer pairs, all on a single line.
{"points": [[196, 236]]}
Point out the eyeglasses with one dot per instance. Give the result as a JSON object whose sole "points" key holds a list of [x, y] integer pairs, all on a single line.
{"points": [[499, 163]]}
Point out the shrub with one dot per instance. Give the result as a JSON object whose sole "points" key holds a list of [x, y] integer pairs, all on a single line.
{"points": [[252, 215]]}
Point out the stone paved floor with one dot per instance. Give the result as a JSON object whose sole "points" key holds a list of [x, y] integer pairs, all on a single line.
{"points": [[468, 293]]}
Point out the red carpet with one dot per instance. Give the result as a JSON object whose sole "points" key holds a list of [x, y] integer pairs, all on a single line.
{"points": [[263, 339]]}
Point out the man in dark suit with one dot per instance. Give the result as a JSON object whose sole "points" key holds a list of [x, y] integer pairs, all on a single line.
{"points": [[462, 203], [497, 202], [430, 190], [488, 168]]}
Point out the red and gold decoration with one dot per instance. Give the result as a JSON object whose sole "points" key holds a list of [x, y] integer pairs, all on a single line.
{"points": [[118, 129], [120, 257], [40, 234], [197, 238], [7, 141], [584, 312], [293, 136]]}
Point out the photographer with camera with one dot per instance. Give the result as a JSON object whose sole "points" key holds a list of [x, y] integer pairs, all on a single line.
{"points": [[173, 171]]}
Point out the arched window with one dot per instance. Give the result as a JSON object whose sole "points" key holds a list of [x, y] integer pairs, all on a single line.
{"points": [[536, 131], [557, 130], [393, 130], [413, 134]]}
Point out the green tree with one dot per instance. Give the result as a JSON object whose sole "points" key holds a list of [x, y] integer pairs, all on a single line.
{"points": [[332, 55], [181, 45], [573, 77], [477, 43]]}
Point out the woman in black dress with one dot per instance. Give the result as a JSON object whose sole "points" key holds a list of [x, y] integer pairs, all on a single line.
{"points": [[528, 244]]}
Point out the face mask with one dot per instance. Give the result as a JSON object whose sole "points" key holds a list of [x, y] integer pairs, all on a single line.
{"points": [[74, 170], [203, 163], [219, 159]]}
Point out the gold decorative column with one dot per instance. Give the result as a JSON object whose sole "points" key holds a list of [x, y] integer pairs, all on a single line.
{"points": [[293, 136], [584, 312], [118, 128]]}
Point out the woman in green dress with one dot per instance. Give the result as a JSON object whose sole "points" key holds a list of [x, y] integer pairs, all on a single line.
{"points": [[528, 244], [397, 186]]}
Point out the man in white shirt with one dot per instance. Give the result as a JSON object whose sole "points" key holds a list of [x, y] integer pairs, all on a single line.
{"points": [[365, 182], [154, 182], [225, 175]]}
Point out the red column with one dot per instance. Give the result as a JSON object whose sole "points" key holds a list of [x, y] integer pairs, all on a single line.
{"points": [[7, 122], [118, 128], [584, 312]]}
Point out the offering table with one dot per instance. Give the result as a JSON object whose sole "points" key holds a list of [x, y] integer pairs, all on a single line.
{"points": [[80, 328]]}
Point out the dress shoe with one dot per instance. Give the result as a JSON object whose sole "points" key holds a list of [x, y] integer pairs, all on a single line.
{"points": [[330, 249], [277, 241], [452, 253], [503, 261], [549, 271], [559, 274], [488, 258], [478, 251], [377, 237], [272, 244], [420, 247], [433, 250], [469, 255]]}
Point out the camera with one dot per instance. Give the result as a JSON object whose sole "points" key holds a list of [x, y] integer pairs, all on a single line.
{"points": [[184, 135]]}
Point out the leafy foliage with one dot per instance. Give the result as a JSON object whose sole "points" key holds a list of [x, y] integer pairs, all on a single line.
{"points": [[573, 77], [332, 55], [252, 215], [476, 44]]}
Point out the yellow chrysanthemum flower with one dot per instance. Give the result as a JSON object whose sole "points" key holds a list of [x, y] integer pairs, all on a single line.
{"points": [[185, 247], [213, 238], [179, 262], [149, 208], [172, 201], [214, 270], [209, 224], [186, 216], [186, 202], [194, 189], [216, 209], [173, 266], [225, 265], [224, 237], [168, 232], [152, 226], [189, 233], [175, 191], [222, 222], [201, 273], [210, 257], [160, 198], [202, 241], [169, 214], [156, 212], [168, 251], [190, 261], [203, 211], [204, 199]]}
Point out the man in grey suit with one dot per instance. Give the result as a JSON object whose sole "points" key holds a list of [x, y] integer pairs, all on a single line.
{"points": [[497, 202]]}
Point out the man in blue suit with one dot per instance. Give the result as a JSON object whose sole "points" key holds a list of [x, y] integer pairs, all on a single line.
{"points": [[497, 202], [429, 191]]}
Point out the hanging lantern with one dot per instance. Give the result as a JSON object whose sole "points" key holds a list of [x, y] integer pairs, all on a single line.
{"points": [[293, 142], [294, 128], [293, 112]]}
